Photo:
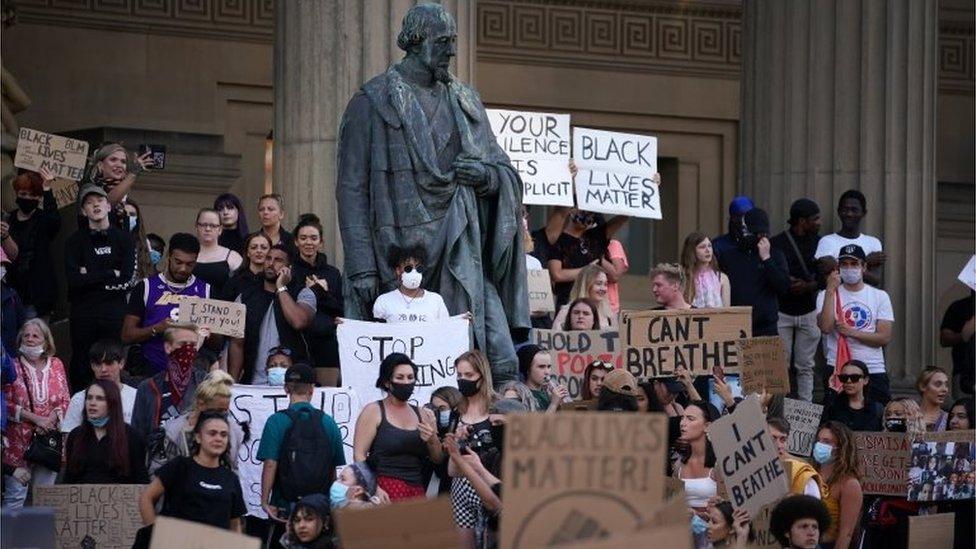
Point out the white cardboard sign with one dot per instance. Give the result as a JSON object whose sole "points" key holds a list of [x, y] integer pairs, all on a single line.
{"points": [[616, 173], [537, 143]]}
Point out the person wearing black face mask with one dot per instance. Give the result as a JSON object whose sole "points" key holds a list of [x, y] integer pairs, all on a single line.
{"points": [[737, 209], [394, 437], [757, 273], [31, 229]]}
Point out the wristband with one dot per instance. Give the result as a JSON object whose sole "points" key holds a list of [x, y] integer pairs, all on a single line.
{"points": [[282, 289]]}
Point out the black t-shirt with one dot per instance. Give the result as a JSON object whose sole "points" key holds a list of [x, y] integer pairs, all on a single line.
{"points": [[575, 253], [956, 316], [541, 249], [790, 304], [200, 494]]}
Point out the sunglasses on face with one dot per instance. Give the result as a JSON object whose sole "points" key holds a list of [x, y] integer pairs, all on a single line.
{"points": [[410, 268], [850, 378]]}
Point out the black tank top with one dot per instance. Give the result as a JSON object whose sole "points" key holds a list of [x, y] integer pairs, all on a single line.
{"points": [[216, 274], [398, 453]]}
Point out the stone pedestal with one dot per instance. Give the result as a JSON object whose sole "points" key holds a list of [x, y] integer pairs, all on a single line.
{"points": [[324, 51], [841, 94]]}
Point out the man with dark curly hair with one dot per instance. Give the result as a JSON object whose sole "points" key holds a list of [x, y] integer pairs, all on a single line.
{"points": [[798, 521]]}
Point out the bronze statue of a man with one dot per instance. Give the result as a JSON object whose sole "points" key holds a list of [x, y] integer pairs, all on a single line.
{"points": [[418, 163]]}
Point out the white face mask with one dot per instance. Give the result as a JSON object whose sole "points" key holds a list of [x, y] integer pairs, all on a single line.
{"points": [[850, 275], [32, 352], [276, 376], [411, 280]]}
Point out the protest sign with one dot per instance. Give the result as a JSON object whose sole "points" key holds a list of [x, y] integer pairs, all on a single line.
{"points": [[657, 342], [932, 531], [747, 458], [540, 291], [169, 532], [96, 515], [432, 346], [672, 536], [764, 538], [762, 361], [222, 317], [968, 273], [416, 524], [62, 156], [572, 351], [616, 173], [883, 462], [804, 418], [537, 143], [65, 191], [575, 476], [941, 467], [254, 404]]}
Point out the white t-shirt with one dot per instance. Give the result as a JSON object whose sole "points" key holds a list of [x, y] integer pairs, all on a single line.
{"points": [[76, 408], [394, 307], [531, 263], [832, 243], [861, 310]]}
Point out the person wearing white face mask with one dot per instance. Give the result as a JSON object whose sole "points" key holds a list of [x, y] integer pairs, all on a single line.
{"points": [[279, 360], [409, 302], [850, 311]]}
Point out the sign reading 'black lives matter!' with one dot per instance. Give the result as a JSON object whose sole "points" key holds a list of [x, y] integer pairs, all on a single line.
{"points": [[616, 173], [537, 143]]}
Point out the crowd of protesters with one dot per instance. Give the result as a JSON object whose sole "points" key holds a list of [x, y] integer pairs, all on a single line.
{"points": [[145, 398]]}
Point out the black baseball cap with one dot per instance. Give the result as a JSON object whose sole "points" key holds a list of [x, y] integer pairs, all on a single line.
{"points": [[852, 251], [300, 373]]}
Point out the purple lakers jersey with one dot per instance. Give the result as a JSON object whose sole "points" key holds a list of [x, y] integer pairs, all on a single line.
{"points": [[162, 300]]}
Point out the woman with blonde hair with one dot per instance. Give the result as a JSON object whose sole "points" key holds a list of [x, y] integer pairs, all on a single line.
{"points": [[213, 394], [933, 388], [903, 415], [110, 170], [836, 460], [590, 284], [706, 286]]}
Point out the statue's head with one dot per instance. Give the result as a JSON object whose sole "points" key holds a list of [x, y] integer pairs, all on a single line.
{"points": [[430, 35]]}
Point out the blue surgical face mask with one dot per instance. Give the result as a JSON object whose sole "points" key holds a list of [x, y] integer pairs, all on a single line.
{"points": [[823, 453], [133, 223], [698, 525], [337, 494], [276, 376], [98, 422], [155, 257]]}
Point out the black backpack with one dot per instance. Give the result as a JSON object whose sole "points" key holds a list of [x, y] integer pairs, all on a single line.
{"points": [[305, 461]]}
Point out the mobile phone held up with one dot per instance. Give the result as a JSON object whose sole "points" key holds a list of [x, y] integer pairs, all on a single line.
{"points": [[157, 153]]}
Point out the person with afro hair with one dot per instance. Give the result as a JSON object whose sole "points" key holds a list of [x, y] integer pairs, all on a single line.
{"points": [[798, 522]]}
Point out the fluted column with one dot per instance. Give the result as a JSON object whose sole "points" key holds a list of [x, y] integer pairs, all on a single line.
{"points": [[840, 94], [324, 51]]}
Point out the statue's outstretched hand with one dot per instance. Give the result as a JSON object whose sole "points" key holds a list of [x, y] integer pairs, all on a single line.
{"points": [[365, 287]]}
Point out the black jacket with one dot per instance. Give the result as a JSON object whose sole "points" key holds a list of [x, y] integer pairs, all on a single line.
{"points": [[321, 335], [98, 290], [33, 272], [758, 284]]}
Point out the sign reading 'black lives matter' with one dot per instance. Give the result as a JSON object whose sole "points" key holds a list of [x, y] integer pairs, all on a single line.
{"points": [[616, 173]]}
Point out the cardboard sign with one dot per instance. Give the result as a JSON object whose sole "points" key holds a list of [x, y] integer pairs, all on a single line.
{"points": [[672, 536], [968, 273], [747, 458], [764, 538], [942, 467], [65, 191], [884, 459], [537, 143], [804, 418], [255, 404], [170, 532], [572, 351], [96, 515], [657, 342], [932, 531], [222, 317], [416, 524], [577, 476], [540, 291], [616, 173], [62, 156], [763, 365], [432, 346]]}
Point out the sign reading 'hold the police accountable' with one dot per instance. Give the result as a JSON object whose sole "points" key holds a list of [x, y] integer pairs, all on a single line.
{"points": [[572, 351], [578, 476], [616, 173], [537, 143], [658, 342]]}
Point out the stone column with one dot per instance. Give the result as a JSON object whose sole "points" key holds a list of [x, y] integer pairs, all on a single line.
{"points": [[324, 51], [840, 94]]}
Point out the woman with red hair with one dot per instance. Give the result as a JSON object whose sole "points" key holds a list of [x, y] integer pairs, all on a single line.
{"points": [[30, 229]]}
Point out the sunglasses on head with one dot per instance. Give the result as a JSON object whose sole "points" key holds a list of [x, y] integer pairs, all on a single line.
{"points": [[279, 351], [604, 365], [410, 268], [850, 378]]}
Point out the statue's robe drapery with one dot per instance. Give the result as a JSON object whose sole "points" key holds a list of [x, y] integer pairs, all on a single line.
{"points": [[396, 187]]}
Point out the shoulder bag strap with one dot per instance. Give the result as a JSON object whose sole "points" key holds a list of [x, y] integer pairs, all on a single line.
{"points": [[796, 250]]}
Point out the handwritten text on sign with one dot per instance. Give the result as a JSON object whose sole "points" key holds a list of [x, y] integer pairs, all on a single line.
{"points": [[432, 346], [107, 513], [540, 291], [254, 404], [657, 342], [763, 364], [753, 473], [884, 460], [62, 156], [804, 418], [222, 317], [616, 172], [537, 143], [572, 351], [574, 473]]}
